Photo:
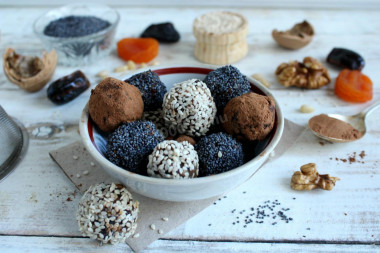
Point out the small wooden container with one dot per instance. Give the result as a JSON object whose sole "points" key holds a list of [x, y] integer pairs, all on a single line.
{"points": [[221, 37]]}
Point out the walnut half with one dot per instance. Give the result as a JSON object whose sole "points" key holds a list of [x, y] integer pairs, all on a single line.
{"points": [[309, 178], [309, 74], [30, 73]]}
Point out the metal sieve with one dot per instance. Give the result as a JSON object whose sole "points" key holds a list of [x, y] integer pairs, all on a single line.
{"points": [[14, 142]]}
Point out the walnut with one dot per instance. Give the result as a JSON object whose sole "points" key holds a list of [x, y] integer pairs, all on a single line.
{"points": [[30, 73], [309, 178], [309, 74]]}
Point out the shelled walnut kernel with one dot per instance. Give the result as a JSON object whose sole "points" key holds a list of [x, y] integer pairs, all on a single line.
{"points": [[309, 178], [309, 74]]}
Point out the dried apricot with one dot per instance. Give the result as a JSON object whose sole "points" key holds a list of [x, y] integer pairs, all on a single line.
{"points": [[353, 86], [138, 50]]}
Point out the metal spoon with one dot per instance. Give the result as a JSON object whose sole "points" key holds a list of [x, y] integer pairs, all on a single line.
{"points": [[357, 121]]}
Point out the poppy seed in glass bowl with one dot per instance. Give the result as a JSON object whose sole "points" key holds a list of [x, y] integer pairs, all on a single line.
{"points": [[218, 153], [151, 88], [130, 145], [226, 83]]}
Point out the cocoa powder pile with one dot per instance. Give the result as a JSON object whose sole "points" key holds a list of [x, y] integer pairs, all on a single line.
{"points": [[334, 128]]}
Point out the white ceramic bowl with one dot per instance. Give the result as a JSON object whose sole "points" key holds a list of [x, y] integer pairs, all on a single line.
{"points": [[185, 189]]}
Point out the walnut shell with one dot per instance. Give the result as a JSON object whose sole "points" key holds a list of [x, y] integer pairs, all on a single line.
{"points": [[30, 73], [297, 37]]}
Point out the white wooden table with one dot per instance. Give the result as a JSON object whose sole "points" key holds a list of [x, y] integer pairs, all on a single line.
{"points": [[36, 216]]}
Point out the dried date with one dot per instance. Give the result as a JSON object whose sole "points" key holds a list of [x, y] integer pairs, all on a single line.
{"points": [[346, 58], [67, 88]]}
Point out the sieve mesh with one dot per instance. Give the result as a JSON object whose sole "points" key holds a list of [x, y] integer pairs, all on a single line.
{"points": [[13, 143]]}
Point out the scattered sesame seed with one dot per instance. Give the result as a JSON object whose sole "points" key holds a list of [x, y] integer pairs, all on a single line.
{"points": [[220, 154], [160, 231], [75, 157], [165, 218], [136, 235], [152, 226], [92, 164], [78, 176], [85, 172]]}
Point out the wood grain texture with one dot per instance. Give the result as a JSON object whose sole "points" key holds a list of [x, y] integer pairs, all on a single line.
{"points": [[341, 4], [10, 244], [38, 199]]}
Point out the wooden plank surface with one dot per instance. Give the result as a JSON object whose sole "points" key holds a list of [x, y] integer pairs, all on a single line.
{"points": [[38, 200], [10, 244]]}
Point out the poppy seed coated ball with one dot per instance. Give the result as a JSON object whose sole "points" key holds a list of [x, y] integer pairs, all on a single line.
{"points": [[218, 153], [130, 145], [151, 88], [226, 83]]}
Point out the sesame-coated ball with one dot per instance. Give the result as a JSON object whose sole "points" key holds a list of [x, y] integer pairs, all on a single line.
{"points": [[226, 83], [218, 153], [174, 160], [130, 145], [108, 213], [151, 88], [189, 108]]}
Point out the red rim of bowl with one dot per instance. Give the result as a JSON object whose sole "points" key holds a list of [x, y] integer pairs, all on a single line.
{"points": [[190, 70]]}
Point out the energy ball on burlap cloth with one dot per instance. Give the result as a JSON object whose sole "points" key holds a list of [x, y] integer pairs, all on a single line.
{"points": [[151, 88], [218, 153], [130, 145], [107, 213], [114, 102], [226, 83], [173, 160], [189, 108], [250, 116]]}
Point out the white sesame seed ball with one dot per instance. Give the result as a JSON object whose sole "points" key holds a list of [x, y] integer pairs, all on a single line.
{"points": [[189, 107], [107, 213], [173, 160]]}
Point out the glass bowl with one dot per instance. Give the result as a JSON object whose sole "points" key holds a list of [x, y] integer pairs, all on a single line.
{"points": [[82, 50]]}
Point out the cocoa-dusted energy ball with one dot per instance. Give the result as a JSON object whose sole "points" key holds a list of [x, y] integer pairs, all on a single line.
{"points": [[189, 139], [173, 160], [114, 102], [250, 116], [130, 145], [218, 153], [151, 88], [189, 108], [226, 83], [108, 213]]}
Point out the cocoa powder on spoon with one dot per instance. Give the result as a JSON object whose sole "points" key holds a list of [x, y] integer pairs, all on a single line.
{"points": [[334, 128]]}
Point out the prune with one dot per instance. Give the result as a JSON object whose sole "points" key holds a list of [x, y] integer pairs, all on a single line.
{"points": [[346, 58], [67, 88], [164, 32], [75, 26]]}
